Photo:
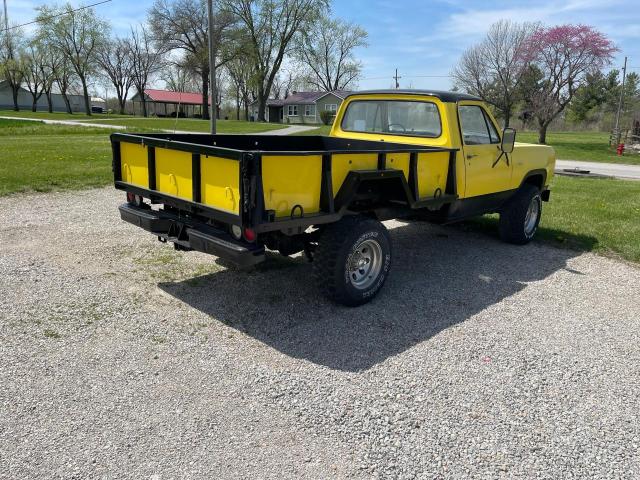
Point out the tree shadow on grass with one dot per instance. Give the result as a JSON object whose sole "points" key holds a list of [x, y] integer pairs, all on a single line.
{"points": [[441, 276]]}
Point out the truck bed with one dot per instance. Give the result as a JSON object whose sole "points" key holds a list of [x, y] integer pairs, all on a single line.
{"points": [[275, 183]]}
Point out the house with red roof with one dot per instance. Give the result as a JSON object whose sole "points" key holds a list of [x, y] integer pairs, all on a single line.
{"points": [[165, 103]]}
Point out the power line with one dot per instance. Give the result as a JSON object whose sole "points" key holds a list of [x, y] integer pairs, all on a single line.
{"points": [[410, 76], [57, 15]]}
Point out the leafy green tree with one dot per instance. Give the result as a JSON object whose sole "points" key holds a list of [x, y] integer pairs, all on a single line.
{"points": [[78, 35], [183, 25], [12, 60], [597, 90], [271, 26], [328, 52]]}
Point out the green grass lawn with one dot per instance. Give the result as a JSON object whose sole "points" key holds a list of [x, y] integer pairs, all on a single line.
{"points": [[39, 157], [186, 124], [58, 115], [591, 214], [323, 130], [587, 146], [151, 124]]}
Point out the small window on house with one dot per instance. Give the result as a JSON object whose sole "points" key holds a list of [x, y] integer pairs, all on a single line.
{"points": [[331, 107], [292, 110], [309, 110]]}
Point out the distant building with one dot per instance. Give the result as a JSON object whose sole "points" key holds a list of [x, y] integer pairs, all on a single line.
{"points": [[25, 100], [164, 103], [300, 107]]}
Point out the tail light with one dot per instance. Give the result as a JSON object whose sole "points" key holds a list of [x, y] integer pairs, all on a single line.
{"points": [[134, 199], [250, 234]]}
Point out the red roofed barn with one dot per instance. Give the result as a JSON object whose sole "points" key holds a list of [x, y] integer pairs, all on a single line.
{"points": [[164, 103]]}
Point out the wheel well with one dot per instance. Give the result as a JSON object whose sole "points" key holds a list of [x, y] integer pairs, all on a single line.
{"points": [[537, 180]]}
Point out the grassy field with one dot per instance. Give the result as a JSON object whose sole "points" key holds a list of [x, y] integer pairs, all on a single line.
{"points": [[587, 146], [323, 130], [187, 124], [57, 115], [151, 124], [600, 215], [38, 157]]}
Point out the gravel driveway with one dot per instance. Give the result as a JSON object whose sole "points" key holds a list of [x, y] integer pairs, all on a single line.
{"points": [[120, 358]]}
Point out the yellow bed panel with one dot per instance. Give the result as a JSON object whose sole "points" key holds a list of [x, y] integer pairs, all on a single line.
{"points": [[432, 173], [220, 187], [290, 180], [399, 161], [343, 163], [134, 164], [173, 173]]}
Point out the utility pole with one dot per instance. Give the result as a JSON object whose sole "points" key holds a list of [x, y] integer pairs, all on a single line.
{"points": [[6, 31], [6, 18], [396, 78], [212, 70], [624, 75]]}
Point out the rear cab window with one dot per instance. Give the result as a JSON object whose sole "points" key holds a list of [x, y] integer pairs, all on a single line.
{"points": [[414, 118]]}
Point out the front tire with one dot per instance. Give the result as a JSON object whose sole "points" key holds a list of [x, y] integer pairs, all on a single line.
{"points": [[520, 217], [352, 260]]}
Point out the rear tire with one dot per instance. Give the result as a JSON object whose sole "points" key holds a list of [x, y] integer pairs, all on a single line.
{"points": [[352, 260], [520, 217]]}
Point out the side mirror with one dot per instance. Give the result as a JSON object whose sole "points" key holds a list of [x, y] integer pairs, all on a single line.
{"points": [[508, 140]]}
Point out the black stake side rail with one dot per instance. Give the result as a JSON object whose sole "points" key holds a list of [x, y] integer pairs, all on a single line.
{"points": [[333, 205]]}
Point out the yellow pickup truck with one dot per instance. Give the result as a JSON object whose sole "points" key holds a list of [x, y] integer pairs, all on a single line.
{"points": [[390, 154]]}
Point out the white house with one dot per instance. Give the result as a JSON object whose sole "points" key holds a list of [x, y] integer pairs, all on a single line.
{"points": [[300, 107]]}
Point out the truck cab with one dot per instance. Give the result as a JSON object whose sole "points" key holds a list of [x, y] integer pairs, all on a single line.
{"points": [[438, 156], [486, 175]]}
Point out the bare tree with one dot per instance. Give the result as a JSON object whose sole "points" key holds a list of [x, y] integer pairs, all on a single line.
{"points": [[183, 25], [116, 63], [180, 78], [63, 74], [77, 34], [564, 54], [48, 68], [34, 72], [494, 68], [328, 52], [11, 61], [271, 26], [145, 61], [241, 82]]}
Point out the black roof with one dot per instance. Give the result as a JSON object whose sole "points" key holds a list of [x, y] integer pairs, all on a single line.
{"points": [[442, 95]]}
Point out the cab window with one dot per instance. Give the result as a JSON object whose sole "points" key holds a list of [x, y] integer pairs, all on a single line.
{"points": [[395, 117], [477, 128]]}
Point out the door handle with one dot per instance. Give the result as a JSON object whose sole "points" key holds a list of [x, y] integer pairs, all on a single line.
{"points": [[471, 155]]}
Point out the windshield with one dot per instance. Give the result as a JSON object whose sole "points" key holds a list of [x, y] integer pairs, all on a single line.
{"points": [[396, 117]]}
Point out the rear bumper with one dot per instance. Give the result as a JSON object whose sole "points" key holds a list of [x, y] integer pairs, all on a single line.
{"points": [[191, 234]]}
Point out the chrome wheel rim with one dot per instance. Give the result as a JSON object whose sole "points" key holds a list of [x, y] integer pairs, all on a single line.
{"points": [[531, 218], [365, 264]]}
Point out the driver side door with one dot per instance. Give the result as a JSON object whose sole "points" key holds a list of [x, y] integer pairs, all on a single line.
{"points": [[485, 174]]}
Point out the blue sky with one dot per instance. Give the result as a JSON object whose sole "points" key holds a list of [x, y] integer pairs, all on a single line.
{"points": [[424, 39]]}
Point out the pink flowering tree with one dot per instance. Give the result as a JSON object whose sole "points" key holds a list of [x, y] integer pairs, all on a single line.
{"points": [[565, 54]]}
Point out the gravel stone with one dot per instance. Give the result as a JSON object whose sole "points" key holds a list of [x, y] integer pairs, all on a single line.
{"points": [[122, 358]]}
